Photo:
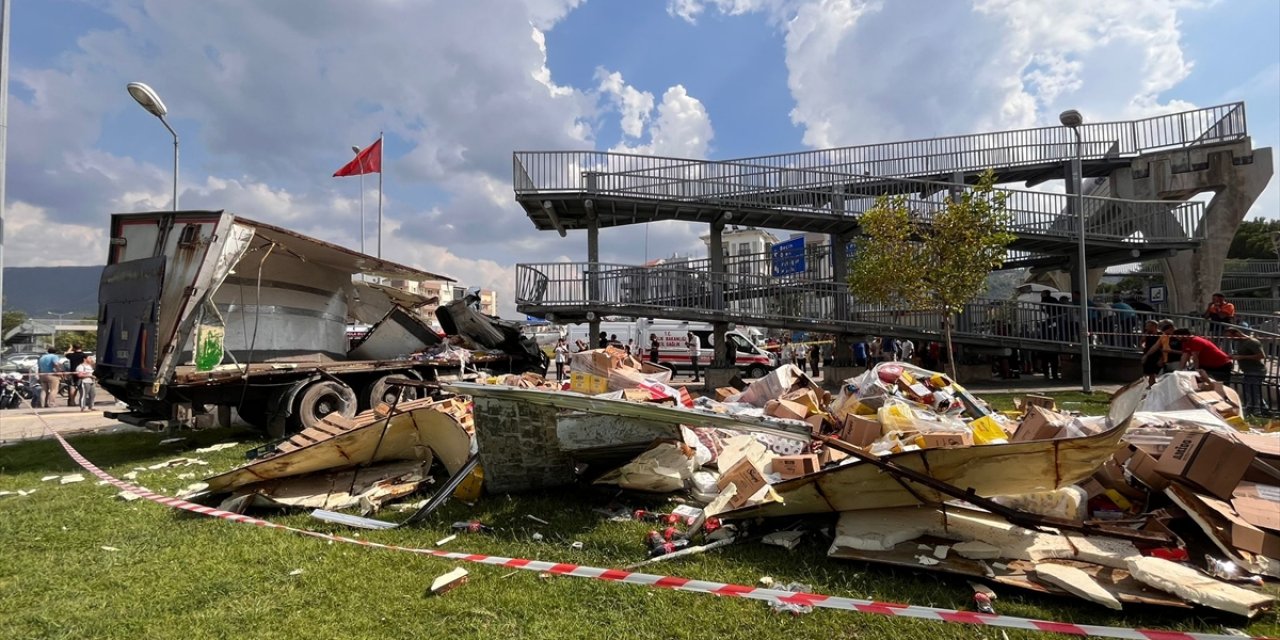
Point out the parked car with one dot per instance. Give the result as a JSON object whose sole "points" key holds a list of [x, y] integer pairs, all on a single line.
{"points": [[23, 362]]}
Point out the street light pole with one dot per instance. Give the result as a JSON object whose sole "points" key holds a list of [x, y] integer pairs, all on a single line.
{"points": [[1072, 120], [150, 100]]}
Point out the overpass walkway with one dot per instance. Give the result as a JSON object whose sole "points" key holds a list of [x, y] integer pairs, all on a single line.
{"points": [[826, 190], [559, 292]]}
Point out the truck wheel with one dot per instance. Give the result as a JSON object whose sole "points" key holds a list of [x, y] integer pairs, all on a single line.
{"points": [[757, 371], [382, 391], [253, 413], [323, 398]]}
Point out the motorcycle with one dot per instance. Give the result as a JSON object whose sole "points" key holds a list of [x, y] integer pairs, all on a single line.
{"points": [[10, 397]]}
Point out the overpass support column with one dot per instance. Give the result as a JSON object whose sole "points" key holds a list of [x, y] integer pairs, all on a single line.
{"points": [[842, 365], [593, 276], [721, 369]]}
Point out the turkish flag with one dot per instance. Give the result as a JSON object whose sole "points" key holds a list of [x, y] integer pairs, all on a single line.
{"points": [[369, 160]]}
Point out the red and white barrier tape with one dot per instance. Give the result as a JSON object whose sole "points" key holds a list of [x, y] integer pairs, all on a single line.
{"points": [[672, 582]]}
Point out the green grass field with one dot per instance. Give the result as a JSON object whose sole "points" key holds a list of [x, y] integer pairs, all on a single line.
{"points": [[177, 575]]}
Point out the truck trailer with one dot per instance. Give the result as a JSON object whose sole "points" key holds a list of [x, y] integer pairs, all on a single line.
{"points": [[200, 312], [751, 359]]}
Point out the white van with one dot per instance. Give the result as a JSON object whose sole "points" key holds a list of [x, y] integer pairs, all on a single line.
{"points": [[752, 360]]}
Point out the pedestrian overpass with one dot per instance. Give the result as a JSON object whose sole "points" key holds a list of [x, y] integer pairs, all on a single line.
{"points": [[1171, 158]]}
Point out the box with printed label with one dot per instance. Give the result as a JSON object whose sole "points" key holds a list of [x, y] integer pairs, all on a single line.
{"points": [[1205, 461]]}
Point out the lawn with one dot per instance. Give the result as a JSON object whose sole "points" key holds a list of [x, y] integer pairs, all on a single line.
{"points": [[177, 575]]}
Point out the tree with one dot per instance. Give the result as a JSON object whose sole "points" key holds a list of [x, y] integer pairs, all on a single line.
{"points": [[1253, 240], [10, 320], [86, 339], [939, 261]]}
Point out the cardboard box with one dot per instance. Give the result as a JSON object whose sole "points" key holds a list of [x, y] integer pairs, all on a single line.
{"points": [[1258, 504], [829, 455], [1142, 466], [1044, 402], [1244, 535], [860, 431], [1205, 461], [795, 466], [805, 397], [786, 409], [746, 477], [816, 423], [723, 393], [944, 439], [587, 383], [1040, 424]]}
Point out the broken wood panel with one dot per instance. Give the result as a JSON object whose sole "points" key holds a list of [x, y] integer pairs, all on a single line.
{"points": [[411, 435], [1018, 573], [990, 470]]}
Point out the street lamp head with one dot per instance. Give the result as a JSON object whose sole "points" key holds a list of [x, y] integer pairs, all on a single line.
{"points": [[148, 98], [1071, 118]]}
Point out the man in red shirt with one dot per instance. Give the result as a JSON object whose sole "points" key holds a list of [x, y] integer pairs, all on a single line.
{"points": [[1202, 354]]}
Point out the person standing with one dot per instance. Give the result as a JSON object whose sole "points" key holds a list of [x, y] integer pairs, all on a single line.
{"points": [[87, 383], [603, 341], [815, 358], [1253, 367], [48, 366], [1220, 312], [1199, 353], [75, 357], [799, 351], [653, 348], [691, 345], [1154, 353], [562, 358], [908, 350]]}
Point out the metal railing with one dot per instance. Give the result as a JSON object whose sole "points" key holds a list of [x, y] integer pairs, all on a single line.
{"points": [[748, 298], [554, 171]]}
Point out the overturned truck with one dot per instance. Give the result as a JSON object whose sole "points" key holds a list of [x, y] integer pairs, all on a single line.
{"points": [[200, 312]]}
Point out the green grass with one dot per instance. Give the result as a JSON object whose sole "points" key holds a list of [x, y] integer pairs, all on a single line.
{"points": [[182, 576]]}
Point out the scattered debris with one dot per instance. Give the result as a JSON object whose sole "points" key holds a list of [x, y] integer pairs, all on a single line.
{"points": [[1077, 583], [109, 548], [446, 540], [48, 478], [75, 477], [448, 582], [794, 609], [786, 539], [178, 462], [536, 519], [170, 441], [217, 447], [296, 572]]}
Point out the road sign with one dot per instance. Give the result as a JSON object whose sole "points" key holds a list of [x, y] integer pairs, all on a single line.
{"points": [[788, 257], [1156, 294]]}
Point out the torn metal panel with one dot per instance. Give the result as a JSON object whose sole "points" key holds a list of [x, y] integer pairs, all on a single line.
{"points": [[570, 401], [396, 335], [414, 432], [987, 470], [315, 251]]}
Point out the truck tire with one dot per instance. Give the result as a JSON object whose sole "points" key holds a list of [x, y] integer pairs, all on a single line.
{"points": [[757, 371], [381, 391], [323, 398]]}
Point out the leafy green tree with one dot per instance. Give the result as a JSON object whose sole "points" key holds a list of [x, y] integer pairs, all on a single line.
{"points": [[1253, 240], [86, 339], [10, 320], [938, 261]]}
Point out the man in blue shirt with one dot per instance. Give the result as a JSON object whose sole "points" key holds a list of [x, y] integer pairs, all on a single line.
{"points": [[48, 366]]}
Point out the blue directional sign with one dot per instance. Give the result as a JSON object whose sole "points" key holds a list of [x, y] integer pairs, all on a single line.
{"points": [[788, 257]]}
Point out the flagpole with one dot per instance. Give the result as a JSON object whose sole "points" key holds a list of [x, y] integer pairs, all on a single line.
{"points": [[381, 169], [361, 160]]}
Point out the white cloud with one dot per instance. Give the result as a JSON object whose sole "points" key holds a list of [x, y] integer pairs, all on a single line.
{"points": [[634, 105], [33, 239]]}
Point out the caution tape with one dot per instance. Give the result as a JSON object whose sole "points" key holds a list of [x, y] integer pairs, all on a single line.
{"points": [[673, 582]]}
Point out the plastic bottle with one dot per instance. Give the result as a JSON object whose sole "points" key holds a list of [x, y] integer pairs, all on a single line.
{"points": [[668, 547]]}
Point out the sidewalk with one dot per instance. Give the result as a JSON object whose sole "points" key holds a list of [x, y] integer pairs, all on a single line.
{"points": [[27, 423]]}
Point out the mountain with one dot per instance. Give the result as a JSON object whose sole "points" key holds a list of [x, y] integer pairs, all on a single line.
{"points": [[42, 292]]}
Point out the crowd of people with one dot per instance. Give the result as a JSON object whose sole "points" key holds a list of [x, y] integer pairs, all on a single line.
{"points": [[75, 367]]}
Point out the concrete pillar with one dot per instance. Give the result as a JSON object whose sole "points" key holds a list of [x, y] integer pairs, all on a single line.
{"points": [[593, 275], [1236, 173]]}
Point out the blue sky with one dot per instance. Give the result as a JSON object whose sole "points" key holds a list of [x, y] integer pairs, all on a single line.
{"points": [[269, 96]]}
